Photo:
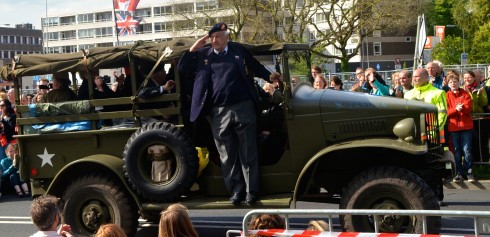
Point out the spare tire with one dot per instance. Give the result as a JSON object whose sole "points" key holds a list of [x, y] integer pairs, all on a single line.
{"points": [[160, 162]]}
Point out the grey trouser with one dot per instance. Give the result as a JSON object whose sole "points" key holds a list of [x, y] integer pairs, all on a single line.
{"points": [[235, 134]]}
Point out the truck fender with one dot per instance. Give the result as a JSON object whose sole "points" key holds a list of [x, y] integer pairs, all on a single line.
{"points": [[109, 165], [390, 143]]}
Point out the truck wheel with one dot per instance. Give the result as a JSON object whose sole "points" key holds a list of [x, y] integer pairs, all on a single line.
{"points": [[160, 161], [389, 188], [93, 200]]}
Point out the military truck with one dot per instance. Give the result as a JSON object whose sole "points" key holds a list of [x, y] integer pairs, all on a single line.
{"points": [[355, 149]]}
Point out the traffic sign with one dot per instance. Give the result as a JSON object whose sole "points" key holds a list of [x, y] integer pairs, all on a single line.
{"points": [[464, 58]]}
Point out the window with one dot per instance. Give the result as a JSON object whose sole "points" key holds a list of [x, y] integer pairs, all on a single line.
{"points": [[377, 48], [204, 23], [53, 49], [184, 8], [377, 33], [312, 37], [18, 40], [24, 40], [145, 12], [184, 25], [206, 6], [103, 16], [354, 40], [69, 49], [52, 36], [12, 39], [103, 32], [163, 27], [85, 46], [68, 35], [5, 54], [86, 33], [5, 39], [86, 18], [105, 44], [321, 17], [52, 21], [67, 20], [162, 11], [144, 29]]}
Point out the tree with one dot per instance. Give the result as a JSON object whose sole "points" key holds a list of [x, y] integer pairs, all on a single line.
{"points": [[449, 50], [481, 45]]}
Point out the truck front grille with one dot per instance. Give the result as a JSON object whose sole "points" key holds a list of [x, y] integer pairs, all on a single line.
{"points": [[432, 134]]}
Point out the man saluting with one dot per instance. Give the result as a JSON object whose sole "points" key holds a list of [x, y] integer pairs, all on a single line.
{"points": [[224, 92]]}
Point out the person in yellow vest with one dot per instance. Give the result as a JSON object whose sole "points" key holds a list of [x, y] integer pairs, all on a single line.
{"points": [[426, 92]]}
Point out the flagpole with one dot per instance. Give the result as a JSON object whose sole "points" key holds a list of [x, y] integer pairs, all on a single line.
{"points": [[115, 21]]}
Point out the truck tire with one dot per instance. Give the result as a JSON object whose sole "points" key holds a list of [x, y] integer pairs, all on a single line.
{"points": [[184, 160], [389, 188], [93, 200]]}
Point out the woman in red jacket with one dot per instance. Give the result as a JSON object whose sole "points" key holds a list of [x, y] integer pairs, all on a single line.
{"points": [[460, 127]]}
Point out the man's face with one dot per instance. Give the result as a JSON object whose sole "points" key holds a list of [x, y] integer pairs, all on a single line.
{"points": [[418, 78], [432, 69], [160, 76], [405, 81], [219, 40]]}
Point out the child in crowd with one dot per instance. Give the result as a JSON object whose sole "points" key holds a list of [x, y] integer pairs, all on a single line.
{"points": [[110, 230], [175, 222], [266, 221], [10, 173], [460, 127]]}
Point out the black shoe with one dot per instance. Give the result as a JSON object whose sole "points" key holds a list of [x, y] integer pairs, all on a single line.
{"points": [[252, 198], [236, 199]]}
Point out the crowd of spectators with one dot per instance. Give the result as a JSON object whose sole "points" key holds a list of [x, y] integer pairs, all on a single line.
{"points": [[464, 133]]}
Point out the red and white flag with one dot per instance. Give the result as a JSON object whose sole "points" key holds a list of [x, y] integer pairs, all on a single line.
{"points": [[126, 5], [126, 24]]}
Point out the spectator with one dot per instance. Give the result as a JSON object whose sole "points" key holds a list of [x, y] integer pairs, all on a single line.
{"points": [[11, 96], [485, 123], [118, 86], [440, 68], [266, 222], [30, 99], [478, 94], [318, 225], [9, 121], [175, 222], [395, 83], [3, 95], [315, 70], [376, 82], [269, 88], [10, 173], [110, 230], [294, 81], [46, 215], [460, 127], [435, 79], [38, 98], [405, 78], [424, 91], [61, 91], [336, 83], [361, 86], [320, 82], [43, 86]]}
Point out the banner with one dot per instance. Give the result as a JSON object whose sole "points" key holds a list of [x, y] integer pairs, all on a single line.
{"points": [[440, 32]]}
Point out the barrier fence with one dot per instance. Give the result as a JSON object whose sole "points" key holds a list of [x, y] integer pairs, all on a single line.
{"points": [[481, 221]]}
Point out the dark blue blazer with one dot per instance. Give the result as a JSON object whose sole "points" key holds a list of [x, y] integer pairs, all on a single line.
{"points": [[200, 62]]}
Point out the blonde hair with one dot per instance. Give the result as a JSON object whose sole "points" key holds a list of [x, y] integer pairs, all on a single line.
{"points": [[110, 230], [175, 222], [318, 225]]}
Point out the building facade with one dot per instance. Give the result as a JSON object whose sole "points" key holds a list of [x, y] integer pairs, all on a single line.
{"points": [[21, 39]]}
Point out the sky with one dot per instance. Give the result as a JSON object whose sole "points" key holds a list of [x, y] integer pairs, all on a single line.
{"points": [[30, 11]]}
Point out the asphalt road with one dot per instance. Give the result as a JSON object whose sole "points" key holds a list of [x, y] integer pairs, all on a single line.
{"points": [[15, 222]]}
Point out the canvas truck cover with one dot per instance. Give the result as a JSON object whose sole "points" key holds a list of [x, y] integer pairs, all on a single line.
{"points": [[112, 57]]}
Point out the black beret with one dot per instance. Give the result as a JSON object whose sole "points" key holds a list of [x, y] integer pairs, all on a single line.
{"points": [[218, 27]]}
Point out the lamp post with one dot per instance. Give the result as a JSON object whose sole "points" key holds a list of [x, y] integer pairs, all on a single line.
{"points": [[463, 55]]}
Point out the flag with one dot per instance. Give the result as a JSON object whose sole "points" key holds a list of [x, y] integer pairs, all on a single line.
{"points": [[420, 41], [126, 5], [126, 24]]}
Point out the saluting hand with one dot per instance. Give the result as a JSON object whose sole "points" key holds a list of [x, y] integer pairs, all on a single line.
{"points": [[199, 43]]}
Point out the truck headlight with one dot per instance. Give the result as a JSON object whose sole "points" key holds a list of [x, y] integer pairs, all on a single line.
{"points": [[405, 129]]}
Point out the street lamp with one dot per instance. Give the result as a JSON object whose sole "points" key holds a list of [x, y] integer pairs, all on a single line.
{"points": [[464, 55]]}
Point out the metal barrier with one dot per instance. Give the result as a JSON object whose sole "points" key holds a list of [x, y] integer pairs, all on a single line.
{"points": [[479, 217]]}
